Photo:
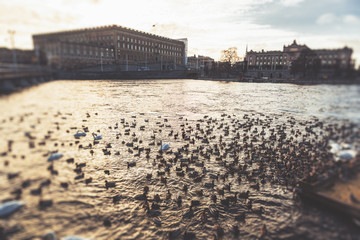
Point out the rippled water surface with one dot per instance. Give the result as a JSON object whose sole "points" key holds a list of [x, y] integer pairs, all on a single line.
{"points": [[208, 125]]}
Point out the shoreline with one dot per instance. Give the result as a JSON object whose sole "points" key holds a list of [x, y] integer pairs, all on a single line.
{"points": [[354, 81], [7, 87]]}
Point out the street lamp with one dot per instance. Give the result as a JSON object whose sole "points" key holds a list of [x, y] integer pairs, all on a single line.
{"points": [[12, 39]]}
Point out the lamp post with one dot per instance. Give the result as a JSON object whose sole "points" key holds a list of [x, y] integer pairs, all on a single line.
{"points": [[12, 39], [127, 63], [101, 62]]}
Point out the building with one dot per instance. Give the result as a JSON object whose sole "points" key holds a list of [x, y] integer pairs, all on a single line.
{"points": [[202, 64], [126, 48], [272, 60], [277, 64], [336, 57], [199, 62], [17, 55]]}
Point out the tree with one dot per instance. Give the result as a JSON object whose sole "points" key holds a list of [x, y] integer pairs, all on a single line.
{"points": [[229, 57]]}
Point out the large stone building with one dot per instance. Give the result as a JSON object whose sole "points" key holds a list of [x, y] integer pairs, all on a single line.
{"points": [[277, 64], [17, 56], [202, 64], [126, 48]]}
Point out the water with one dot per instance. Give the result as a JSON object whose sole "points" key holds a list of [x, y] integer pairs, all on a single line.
{"points": [[44, 118]]}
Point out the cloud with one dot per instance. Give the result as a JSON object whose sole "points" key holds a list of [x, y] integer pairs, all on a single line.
{"points": [[327, 18], [291, 2], [351, 19], [209, 25]]}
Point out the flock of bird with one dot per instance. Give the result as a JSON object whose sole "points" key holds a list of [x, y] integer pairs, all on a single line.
{"points": [[207, 166]]}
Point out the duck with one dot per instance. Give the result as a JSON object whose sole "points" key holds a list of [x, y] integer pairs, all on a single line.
{"points": [[109, 184], [244, 195], [263, 231], [219, 230], [79, 133], [240, 217], [50, 235], [189, 213], [97, 137], [165, 146], [10, 207], [168, 195], [203, 216], [54, 156]]}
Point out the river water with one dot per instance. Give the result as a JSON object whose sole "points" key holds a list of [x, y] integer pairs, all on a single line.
{"points": [[207, 123]]}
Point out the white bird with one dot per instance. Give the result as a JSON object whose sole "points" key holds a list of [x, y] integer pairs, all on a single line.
{"points": [[164, 146], [96, 137], [9, 207], [50, 235], [80, 133], [54, 156]]}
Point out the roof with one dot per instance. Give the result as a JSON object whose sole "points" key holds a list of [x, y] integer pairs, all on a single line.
{"points": [[115, 27]]}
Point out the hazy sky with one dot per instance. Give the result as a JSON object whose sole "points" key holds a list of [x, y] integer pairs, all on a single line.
{"points": [[209, 25]]}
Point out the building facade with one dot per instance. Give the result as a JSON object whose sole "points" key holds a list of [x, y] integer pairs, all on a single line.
{"points": [[110, 45], [199, 62], [336, 57], [272, 60], [17, 55], [277, 64]]}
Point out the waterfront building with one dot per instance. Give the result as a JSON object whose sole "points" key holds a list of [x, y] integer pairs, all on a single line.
{"points": [[202, 64], [272, 60], [336, 57], [18, 55], [277, 64], [126, 48], [199, 62]]}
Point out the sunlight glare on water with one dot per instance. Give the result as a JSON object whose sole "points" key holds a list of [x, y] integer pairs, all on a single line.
{"points": [[70, 197]]}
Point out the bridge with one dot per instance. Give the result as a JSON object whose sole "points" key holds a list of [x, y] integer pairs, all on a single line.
{"points": [[15, 77]]}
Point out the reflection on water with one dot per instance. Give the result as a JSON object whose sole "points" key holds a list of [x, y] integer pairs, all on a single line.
{"points": [[215, 131]]}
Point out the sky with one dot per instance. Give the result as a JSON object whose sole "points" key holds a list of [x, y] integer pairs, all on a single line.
{"points": [[209, 25]]}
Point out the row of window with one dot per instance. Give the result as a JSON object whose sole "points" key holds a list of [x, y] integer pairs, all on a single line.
{"points": [[125, 39], [103, 52], [147, 43], [332, 62], [343, 56], [268, 63], [334, 56], [147, 49], [267, 57]]}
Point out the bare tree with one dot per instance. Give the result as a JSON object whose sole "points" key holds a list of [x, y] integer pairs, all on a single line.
{"points": [[229, 57]]}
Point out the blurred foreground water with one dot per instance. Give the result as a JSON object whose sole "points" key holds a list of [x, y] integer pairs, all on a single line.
{"points": [[225, 139]]}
